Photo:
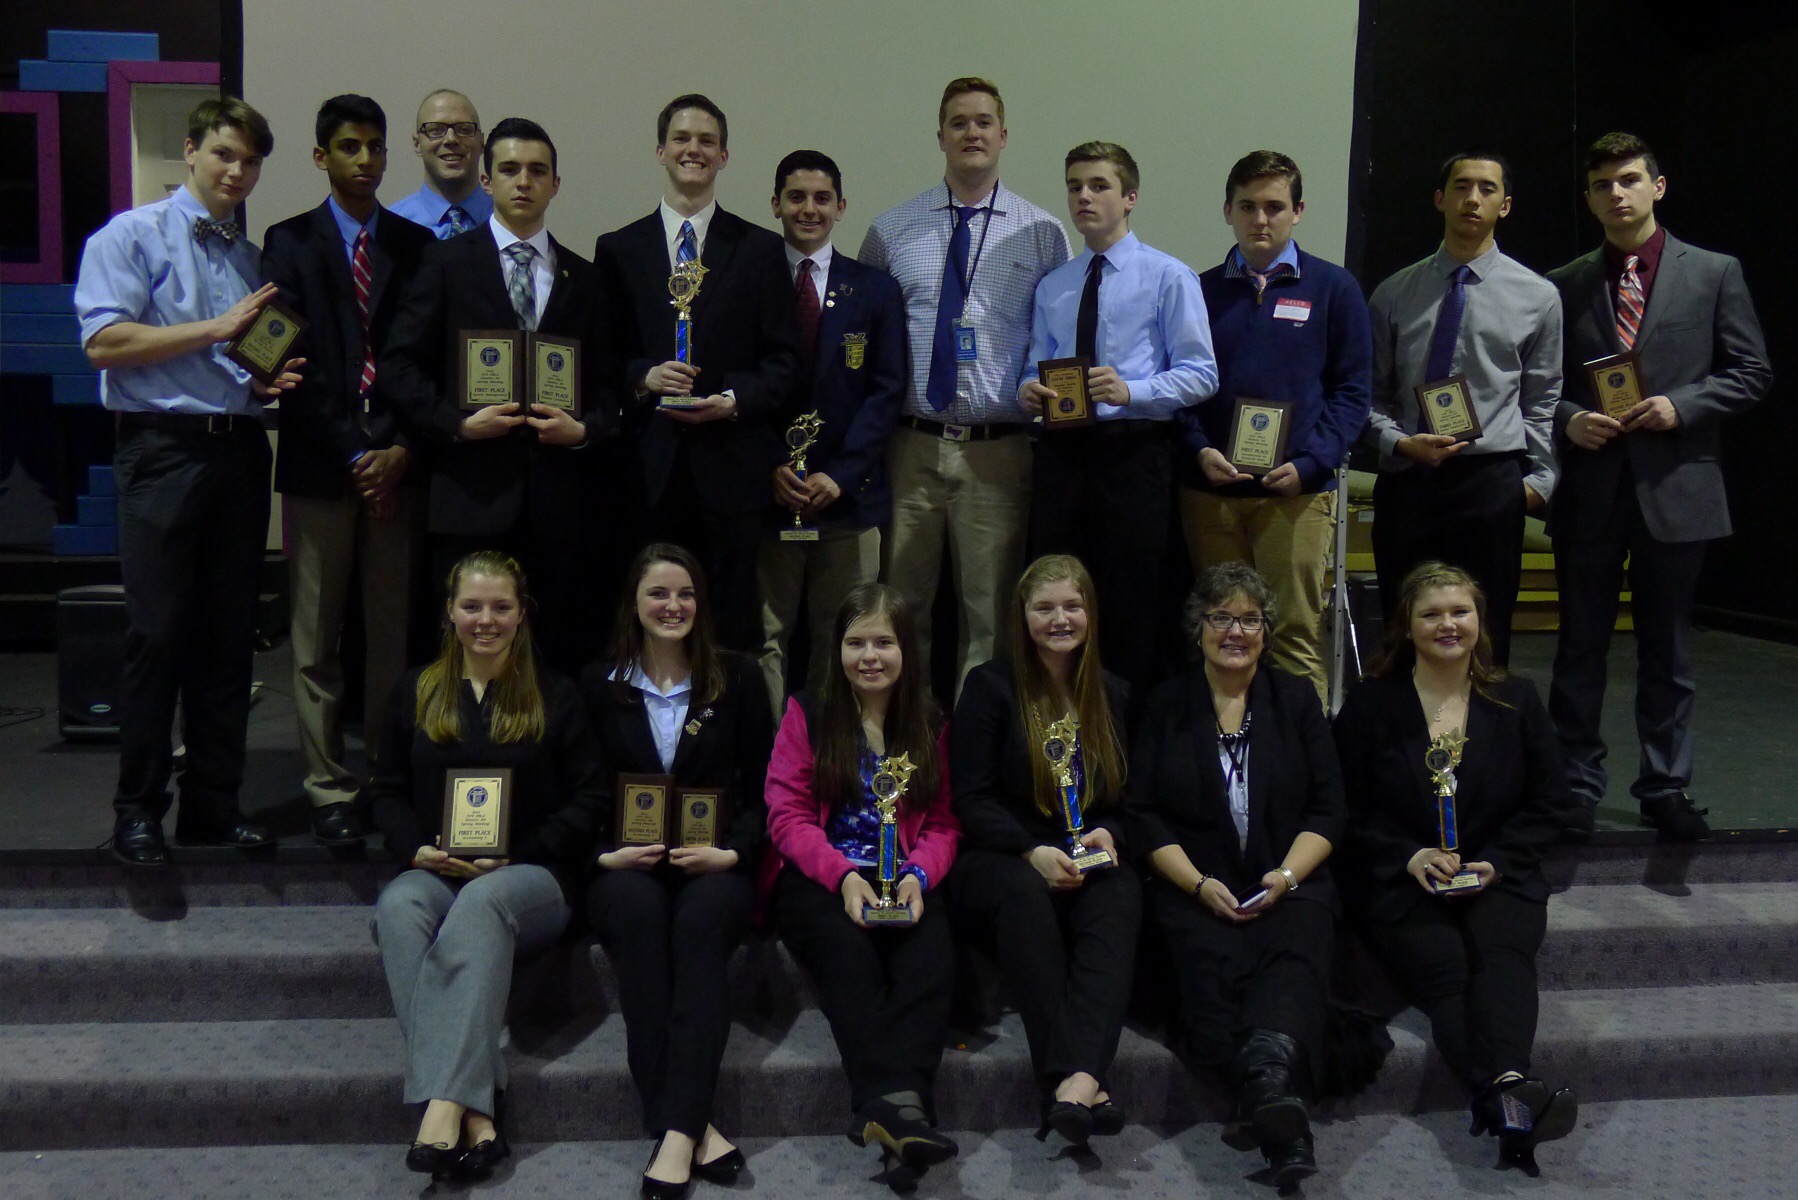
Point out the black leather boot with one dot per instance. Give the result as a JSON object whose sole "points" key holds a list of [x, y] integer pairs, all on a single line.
{"points": [[1268, 1071]]}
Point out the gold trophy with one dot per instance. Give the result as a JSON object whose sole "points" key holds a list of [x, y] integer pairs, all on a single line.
{"points": [[1060, 740], [801, 435], [1443, 756], [891, 775], [683, 285]]}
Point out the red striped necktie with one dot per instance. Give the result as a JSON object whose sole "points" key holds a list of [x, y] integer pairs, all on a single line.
{"points": [[1629, 304], [363, 270]]}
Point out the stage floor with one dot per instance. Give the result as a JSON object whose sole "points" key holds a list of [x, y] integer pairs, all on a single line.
{"points": [[55, 795]]}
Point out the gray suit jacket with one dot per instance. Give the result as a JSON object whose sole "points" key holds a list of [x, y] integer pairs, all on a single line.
{"points": [[1701, 347]]}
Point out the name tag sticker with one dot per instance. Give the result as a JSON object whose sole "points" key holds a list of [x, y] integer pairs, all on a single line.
{"points": [[1292, 310]]}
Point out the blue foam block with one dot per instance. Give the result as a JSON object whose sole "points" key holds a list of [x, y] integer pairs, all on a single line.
{"points": [[95, 45], [100, 481], [84, 539], [97, 512], [37, 298], [39, 359], [37, 75], [75, 389], [57, 328]]}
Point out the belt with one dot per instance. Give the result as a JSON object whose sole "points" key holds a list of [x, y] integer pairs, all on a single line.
{"points": [[962, 433], [190, 422]]}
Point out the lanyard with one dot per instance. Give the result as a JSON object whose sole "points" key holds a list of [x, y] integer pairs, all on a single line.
{"points": [[967, 281]]}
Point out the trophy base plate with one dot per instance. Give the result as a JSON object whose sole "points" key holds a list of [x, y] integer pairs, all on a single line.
{"points": [[1463, 881], [1093, 860], [682, 402], [898, 914], [799, 535]]}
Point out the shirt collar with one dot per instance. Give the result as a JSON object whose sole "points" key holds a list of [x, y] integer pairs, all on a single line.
{"points": [[347, 225], [539, 242], [1648, 253], [702, 221], [821, 258], [1445, 263], [999, 199], [1237, 267], [189, 204], [1119, 253], [644, 683]]}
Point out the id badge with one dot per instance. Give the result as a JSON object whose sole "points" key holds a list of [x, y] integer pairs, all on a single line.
{"points": [[966, 348]]}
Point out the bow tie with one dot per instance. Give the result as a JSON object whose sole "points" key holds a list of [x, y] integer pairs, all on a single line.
{"points": [[225, 231]]}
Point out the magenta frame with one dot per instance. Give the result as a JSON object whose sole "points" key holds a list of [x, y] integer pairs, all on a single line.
{"points": [[120, 75], [48, 267]]}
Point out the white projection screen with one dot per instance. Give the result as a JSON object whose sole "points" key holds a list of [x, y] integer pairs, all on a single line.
{"points": [[1187, 86]]}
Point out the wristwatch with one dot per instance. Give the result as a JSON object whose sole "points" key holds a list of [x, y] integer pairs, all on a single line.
{"points": [[1292, 881]]}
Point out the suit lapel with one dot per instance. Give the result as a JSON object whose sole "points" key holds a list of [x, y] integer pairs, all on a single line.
{"points": [[1211, 771], [490, 279], [634, 717], [381, 258], [1598, 301], [1262, 752], [1482, 729], [838, 312], [560, 287], [721, 242], [1667, 277]]}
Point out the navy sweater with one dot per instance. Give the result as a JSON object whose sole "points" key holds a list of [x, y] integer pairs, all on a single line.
{"points": [[1322, 365]]}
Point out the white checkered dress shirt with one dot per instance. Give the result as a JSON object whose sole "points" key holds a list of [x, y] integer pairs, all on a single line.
{"points": [[911, 241]]}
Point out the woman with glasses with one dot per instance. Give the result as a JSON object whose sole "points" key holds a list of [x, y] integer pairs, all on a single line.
{"points": [[1235, 800]]}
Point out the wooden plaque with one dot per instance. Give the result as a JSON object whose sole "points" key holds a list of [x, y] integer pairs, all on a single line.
{"points": [[698, 817], [1072, 407], [477, 812], [1616, 383], [1259, 432], [643, 803], [489, 367], [265, 346], [554, 373], [1447, 408]]}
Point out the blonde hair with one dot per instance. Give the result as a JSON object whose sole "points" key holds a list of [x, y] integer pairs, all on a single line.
{"points": [[517, 708]]}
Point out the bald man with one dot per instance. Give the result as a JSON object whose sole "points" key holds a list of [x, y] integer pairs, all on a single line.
{"points": [[447, 139]]}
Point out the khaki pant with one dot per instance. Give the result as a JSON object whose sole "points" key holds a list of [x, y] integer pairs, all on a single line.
{"points": [[976, 496], [823, 572], [331, 542], [1288, 542]]}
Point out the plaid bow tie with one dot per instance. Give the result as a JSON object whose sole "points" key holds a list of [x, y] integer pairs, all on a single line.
{"points": [[225, 231]]}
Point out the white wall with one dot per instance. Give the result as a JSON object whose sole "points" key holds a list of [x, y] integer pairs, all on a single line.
{"points": [[1187, 85]]}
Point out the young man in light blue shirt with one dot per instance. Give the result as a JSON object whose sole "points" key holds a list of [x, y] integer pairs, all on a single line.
{"points": [[447, 140]]}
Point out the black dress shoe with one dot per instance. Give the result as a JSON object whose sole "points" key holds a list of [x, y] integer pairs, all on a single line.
{"points": [[436, 1159], [1074, 1122], [661, 1189], [137, 842], [338, 825], [722, 1170], [1108, 1119], [479, 1160], [1582, 824], [1524, 1114], [913, 1142], [232, 831], [1291, 1163], [1676, 818]]}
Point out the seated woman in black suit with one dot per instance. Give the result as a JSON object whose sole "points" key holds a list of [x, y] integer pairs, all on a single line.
{"points": [[1466, 957], [667, 701], [450, 928], [1065, 939], [1235, 799]]}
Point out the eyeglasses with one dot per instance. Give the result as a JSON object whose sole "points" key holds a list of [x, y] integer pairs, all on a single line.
{"points": [[436, 131], [1221, 621]]}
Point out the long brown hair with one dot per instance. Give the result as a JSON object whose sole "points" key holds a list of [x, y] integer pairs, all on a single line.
{"points": [[912, 722], [1101, 748], [517, 709], [626, 651], [1398, 654]]}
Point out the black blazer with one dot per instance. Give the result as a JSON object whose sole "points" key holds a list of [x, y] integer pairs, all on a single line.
{"points": [[485, 487], [857, 386], [323, 427], [989, 767], [557, 783], [1176, 795], [731, 749], [742, 341], [1511, 799]]}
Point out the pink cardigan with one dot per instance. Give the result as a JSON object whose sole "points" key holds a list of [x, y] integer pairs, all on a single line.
{"points": [[796, 817]]}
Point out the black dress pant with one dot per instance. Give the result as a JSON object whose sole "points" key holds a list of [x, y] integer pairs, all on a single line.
{"points": [[1269, 973], [1468, 513], [670, 936], [885, 992], [1068, 957], [193, 522], [1105, 494], [726, 542], [1470, 964]]}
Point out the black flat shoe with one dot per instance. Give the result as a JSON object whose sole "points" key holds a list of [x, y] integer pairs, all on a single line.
{"points": [[1074, 1122], [1524, 1114], [436, 1159], [479, 1160], [1108, 1119], [722, 1170], [137, 842], [914, 1143], [337, 825], [661, 1189]]}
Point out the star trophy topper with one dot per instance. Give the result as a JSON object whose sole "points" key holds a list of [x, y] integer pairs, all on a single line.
{"points": [[1060, 742], [1442, 757], [801, 435], [891, 776], [683, 285]]}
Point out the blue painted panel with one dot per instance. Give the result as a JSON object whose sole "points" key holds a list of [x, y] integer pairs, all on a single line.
{"points": [[36, 75], [84, 539], [75, 389], [97, 512], [39, 359], [94, 45], [58, 328], [100, 481], [37, 298]]}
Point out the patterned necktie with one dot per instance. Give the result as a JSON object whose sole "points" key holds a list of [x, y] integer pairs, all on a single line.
{"points": [[806, 313], [1086, 323], [1448, 325], [688, 248], [939, 387], [522, 287], [362, 270], [226, 231], [1629, 303], [1263, 278], [459, 220]]}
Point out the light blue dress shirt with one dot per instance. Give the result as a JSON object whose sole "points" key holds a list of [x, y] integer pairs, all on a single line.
{"points": [[428, 208], [348, 227], [667, 712], [1153, 330], [145, 267], [1237, 267]]}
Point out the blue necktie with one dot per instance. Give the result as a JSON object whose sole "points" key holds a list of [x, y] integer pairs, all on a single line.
{"points": [[1448, 325], [688, 249], [522, 287], [939, 389], [459, 220]]}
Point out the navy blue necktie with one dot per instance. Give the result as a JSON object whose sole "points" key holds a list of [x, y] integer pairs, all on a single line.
{"points": [[939, 389], [1086, 321], [1448, 325]]}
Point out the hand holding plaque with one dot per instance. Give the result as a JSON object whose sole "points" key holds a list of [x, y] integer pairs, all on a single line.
{"points": [[1259, 430], [1072, 407], [1441, 759], [801, 435], [1617, 384], [554, 374], [1061, 740], [1446, 407], [477, 813], [643, 809], [263, 347], [699, 816], [891, 777]]}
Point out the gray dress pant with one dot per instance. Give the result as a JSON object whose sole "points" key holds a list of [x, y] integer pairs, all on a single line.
{"points": [[448, 950]]}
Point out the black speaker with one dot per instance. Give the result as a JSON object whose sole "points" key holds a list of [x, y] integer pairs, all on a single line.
{"points": [[90, 661]]}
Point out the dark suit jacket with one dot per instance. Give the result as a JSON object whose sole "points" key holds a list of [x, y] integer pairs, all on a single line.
{"points": [[731, 749], [485, 487], [1701, 347], [1511, 799], [1176, 793], [989, 766], [323, 427], [857, 387], [742, 341]]}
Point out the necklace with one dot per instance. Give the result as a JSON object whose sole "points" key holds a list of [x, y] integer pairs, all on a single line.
{"points": [[1441, 708]]}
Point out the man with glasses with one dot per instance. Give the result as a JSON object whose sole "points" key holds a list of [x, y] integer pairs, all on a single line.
{"points": [[447, 139]]}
